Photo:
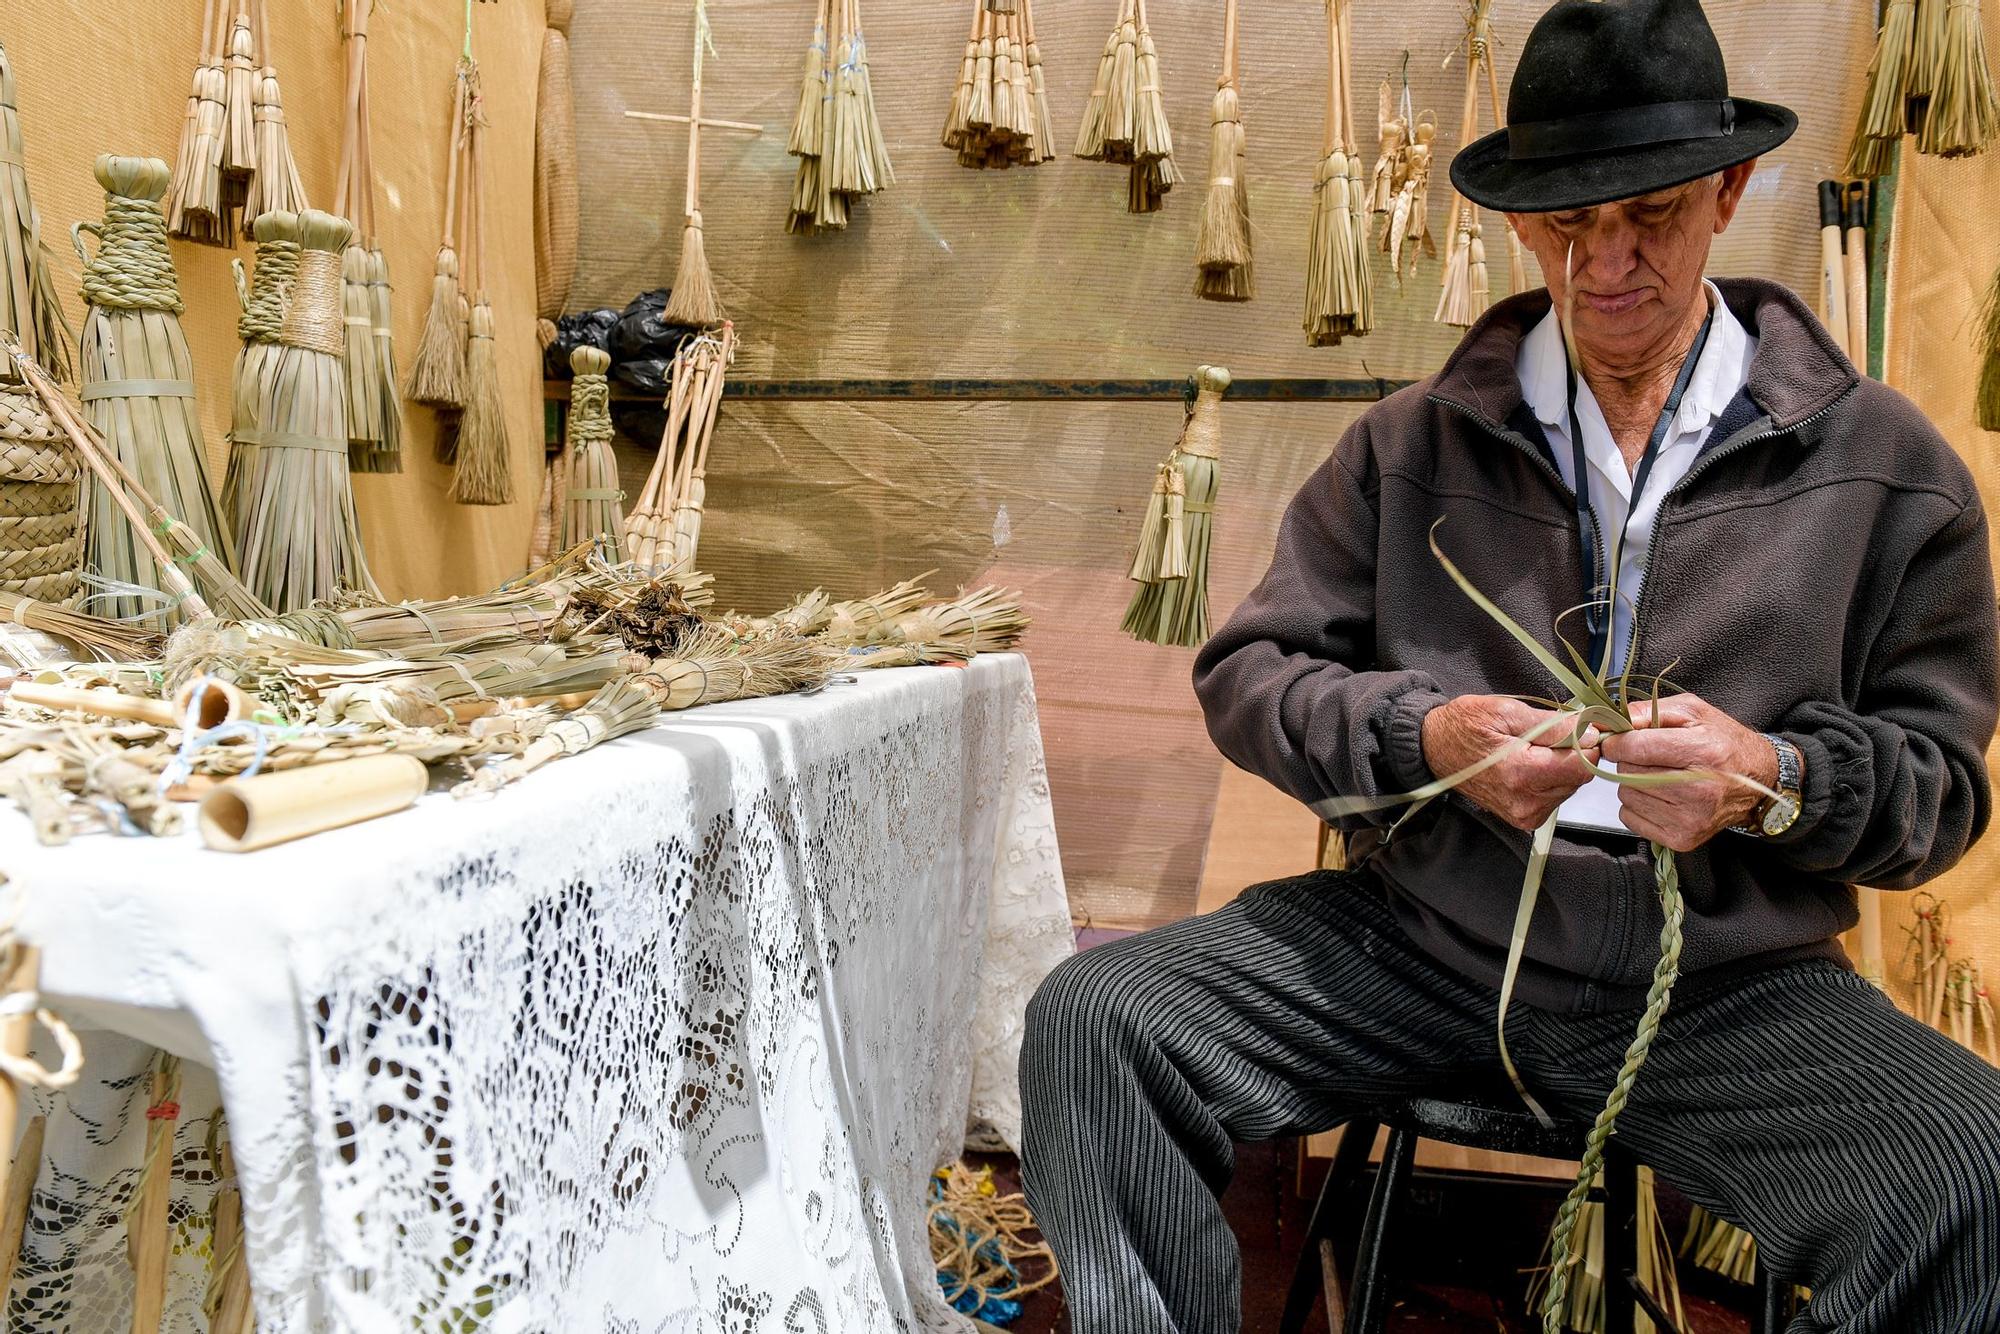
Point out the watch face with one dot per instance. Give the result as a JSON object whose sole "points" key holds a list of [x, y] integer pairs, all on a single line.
{"points": [[1780, 814]]}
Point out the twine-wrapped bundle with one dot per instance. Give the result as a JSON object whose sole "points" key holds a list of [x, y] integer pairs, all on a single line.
{"points": [[714, 666], [374, 411], [842, 153], [1222, 249], [301, 539], [29, 302], [195, 208], [1171, 568], [592, 503], [555, 166], [138, 379], [262, 320], [41, 511]]}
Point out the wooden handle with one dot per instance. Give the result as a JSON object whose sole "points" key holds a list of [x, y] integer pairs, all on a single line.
{"points": [[20, 1190], [23, 972]]}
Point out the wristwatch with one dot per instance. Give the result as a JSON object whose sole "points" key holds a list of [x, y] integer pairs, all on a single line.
{"points": [[1774, 815]]}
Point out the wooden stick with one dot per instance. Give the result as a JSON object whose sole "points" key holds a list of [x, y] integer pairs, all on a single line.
{"points": [[20, 1194], [23, 972], [692, 197], [707, 122], [146, 1224]]}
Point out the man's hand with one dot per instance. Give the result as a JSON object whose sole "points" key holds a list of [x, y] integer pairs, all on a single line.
{"points": [[1526, 786], [1684, 732]]}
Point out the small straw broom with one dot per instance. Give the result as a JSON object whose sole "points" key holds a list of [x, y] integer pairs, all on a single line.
{"points": [[1964, 111], [138, 378], [1153, 172], [1333, 305], [239, 110], [301, 539], [693, 299], [437, 372], [195, 208], [691, 490], [482, 472], [667, 515], [1171, 604], [262, 320], [373, 444], [808, 131], [29, 302], [276, 187], [592, 502], [1222, 249], [1987, 402], [148, 1229], [1885, 104]]}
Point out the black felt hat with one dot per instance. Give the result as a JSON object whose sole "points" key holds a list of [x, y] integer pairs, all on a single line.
{"points": [[1611, 99]]}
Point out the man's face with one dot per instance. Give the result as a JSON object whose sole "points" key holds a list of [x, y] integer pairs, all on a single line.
{"points": [[1636, 264]]}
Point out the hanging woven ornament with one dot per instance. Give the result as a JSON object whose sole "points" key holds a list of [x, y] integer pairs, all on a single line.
{"points": [[482, 469], [301, 539], [437, 372], [1964, 111], [1222, 249], [592, 503], [1362, 279], [693, 299], [263, 319], [1153, 172], [276, 187], [1392, 151], [555, 173], [1171, 566], [195, 210], [138, 379], [29, 302], [1886, 103], [1409, 226], [997, 118], [1465, 291]]}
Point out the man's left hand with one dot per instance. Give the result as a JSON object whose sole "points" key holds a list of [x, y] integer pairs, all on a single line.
{"points": [[1679, 733]]}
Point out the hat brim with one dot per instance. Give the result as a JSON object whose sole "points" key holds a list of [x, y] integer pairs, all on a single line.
{"points": [[1485, 174]]}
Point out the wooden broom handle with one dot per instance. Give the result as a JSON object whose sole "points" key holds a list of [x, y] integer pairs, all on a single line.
{"points": [[356, 41], [451, 166], [1347, 77], [1228, 43], [1331, 137], [692, 200]]}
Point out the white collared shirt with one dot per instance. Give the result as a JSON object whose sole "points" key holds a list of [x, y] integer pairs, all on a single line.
{"points": [[1543, 370]]}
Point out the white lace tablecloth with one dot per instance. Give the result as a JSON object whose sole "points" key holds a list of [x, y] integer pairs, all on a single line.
{"points": [[667, 1037]]}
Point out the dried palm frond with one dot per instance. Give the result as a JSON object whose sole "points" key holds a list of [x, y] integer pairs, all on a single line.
{"points": [[301, 538], [869, 620], [29, 304], [1964, 111], [1222, 248], [988, 620]]}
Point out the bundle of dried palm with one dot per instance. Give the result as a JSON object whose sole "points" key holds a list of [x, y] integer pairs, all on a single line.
{"points": [[715, 665], [693, 299], [239, 113], [263, 318], [1171, 566], [592, 502], [301, 539], [437, 372], [1963, 114], [1885, 104], [138, 379], [996, 119], [988, 620], [29, 302], [874, 656], [374, 411], [868, 620], [1125, 120], [96, 637], [1222, 250], [1336, 277], [809, 129], [195, 208], [483, 472], [620, 707], [1465, 290], [807, 614], [663, 528], [555, 170], [276, 187]]}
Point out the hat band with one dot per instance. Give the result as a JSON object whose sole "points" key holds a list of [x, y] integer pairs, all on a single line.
{"points": [[1624, 127]]}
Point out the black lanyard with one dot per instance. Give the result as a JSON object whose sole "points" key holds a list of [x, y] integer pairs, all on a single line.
{"points": [[1598, 615]]}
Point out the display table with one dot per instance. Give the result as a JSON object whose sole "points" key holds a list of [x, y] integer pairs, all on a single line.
{"points": [[667, 1036]]}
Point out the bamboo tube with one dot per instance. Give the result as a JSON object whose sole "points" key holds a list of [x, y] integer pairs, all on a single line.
{"points": [[245, 814], [1833, 268], [20, 1193], [146, 1219], [215, 703], [1856, 269]]}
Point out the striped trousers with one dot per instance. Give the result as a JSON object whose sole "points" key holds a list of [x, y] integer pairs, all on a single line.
{"points": [[1861, 1148]]}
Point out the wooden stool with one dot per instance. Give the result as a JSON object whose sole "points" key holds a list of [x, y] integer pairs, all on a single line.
{"points": [[1489, 1123]]}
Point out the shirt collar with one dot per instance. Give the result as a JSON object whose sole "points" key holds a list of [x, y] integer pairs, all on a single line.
{"points": [[1543, 369]]}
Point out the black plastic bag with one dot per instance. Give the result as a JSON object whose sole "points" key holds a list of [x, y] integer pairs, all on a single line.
{"points": [[643, 344], [589, 328]]}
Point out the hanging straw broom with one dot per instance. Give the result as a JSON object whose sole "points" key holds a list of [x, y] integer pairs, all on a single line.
{"points": [[195, 209], [137, 375], [1964, 111], [555, 171], [592, 501], [1333, 306], [262, 320], [1153, 172], [1222, 249], [239, 112], [1360, 279], [1886, 103], [276, 187], [1171, 604], [861, 164], [367, 431], [1462, 298], [693, 299], [482, 472], [29, 302], [1038, 93], [301, 539], [437, 372], [1987, 402], [384, 452], [809, 132]]}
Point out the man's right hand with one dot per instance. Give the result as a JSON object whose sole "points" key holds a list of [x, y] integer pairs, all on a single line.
{"points": [[1527, 786]]}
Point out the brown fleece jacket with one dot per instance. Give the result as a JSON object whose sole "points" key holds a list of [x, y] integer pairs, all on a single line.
{"points": [[1821, 573]]}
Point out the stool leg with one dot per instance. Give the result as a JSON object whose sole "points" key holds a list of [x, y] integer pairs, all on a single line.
{"points": [[1774, 1301], [1368, 1311], [1621, 1240], [1341, 1178]]}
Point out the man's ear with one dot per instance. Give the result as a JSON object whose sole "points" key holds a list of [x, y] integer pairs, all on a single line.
{"points": [[1735, 180], [1519, 222]]}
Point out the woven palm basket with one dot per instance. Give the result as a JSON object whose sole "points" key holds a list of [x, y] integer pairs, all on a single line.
{"points": [[41, 509]]}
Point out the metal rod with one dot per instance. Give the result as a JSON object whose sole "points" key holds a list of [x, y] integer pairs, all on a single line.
{"points": [[1270, 390]]}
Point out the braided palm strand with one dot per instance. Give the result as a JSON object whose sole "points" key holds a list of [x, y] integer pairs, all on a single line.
{"points": [[1666, 877], [132, 269]]}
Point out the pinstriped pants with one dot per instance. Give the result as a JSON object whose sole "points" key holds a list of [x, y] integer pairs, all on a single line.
{"points": [[1859, 1147]]}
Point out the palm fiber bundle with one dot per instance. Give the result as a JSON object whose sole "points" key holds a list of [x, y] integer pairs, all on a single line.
{"points": [[29, 302], [374, 411], [301, 539], [808, 132], [693, 299], [1125, 120], [437, 372], [987, 620], [195, 208], [93, 635], [715, 665], [1222, 250], [592, 503], [1885, 104], [842, 154], [869, 620], [1964, 112], [996, 119], [138, 379], [663, 528], [1171, 566], [41, 494], [1339, 299], [262, 320], [482, 471], [239, 111], [276, 187], [555, 170]]}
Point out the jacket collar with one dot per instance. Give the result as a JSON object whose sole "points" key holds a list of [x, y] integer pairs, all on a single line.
{"points": [[1796, 372]]}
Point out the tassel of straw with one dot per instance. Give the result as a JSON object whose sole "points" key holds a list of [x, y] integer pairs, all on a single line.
{"points": [[263, 318], [592, 503], [1461, 300], [988, 620], [301, 538], [1884, 105], [1987, 401], [364, 375], [1361, 280], [873, 150], [808, 130], [138, 376], [29, 302], [276, 187], [1330, 297], [239, 113], [146, 1227], [868, 620], [1153, 171], [619, 707], [1517, 266], [1222, 247], [1964, 112], [714, 666], [384, 451], [1926, 51], [195, 208], [693, 299], [437, 372], [1090, 133], [958, 118], [555, 168], [482, 471], [1172, 609], [1044, 130]]}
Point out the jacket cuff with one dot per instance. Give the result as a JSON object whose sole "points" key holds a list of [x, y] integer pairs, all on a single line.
{"points": [[1816, 796], [1403, 747]]}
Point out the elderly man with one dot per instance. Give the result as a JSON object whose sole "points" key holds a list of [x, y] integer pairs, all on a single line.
{"points": [[1805, 558]]}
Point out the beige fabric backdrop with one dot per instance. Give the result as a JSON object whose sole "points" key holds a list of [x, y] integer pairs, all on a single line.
{"points": [[115, 78]]}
